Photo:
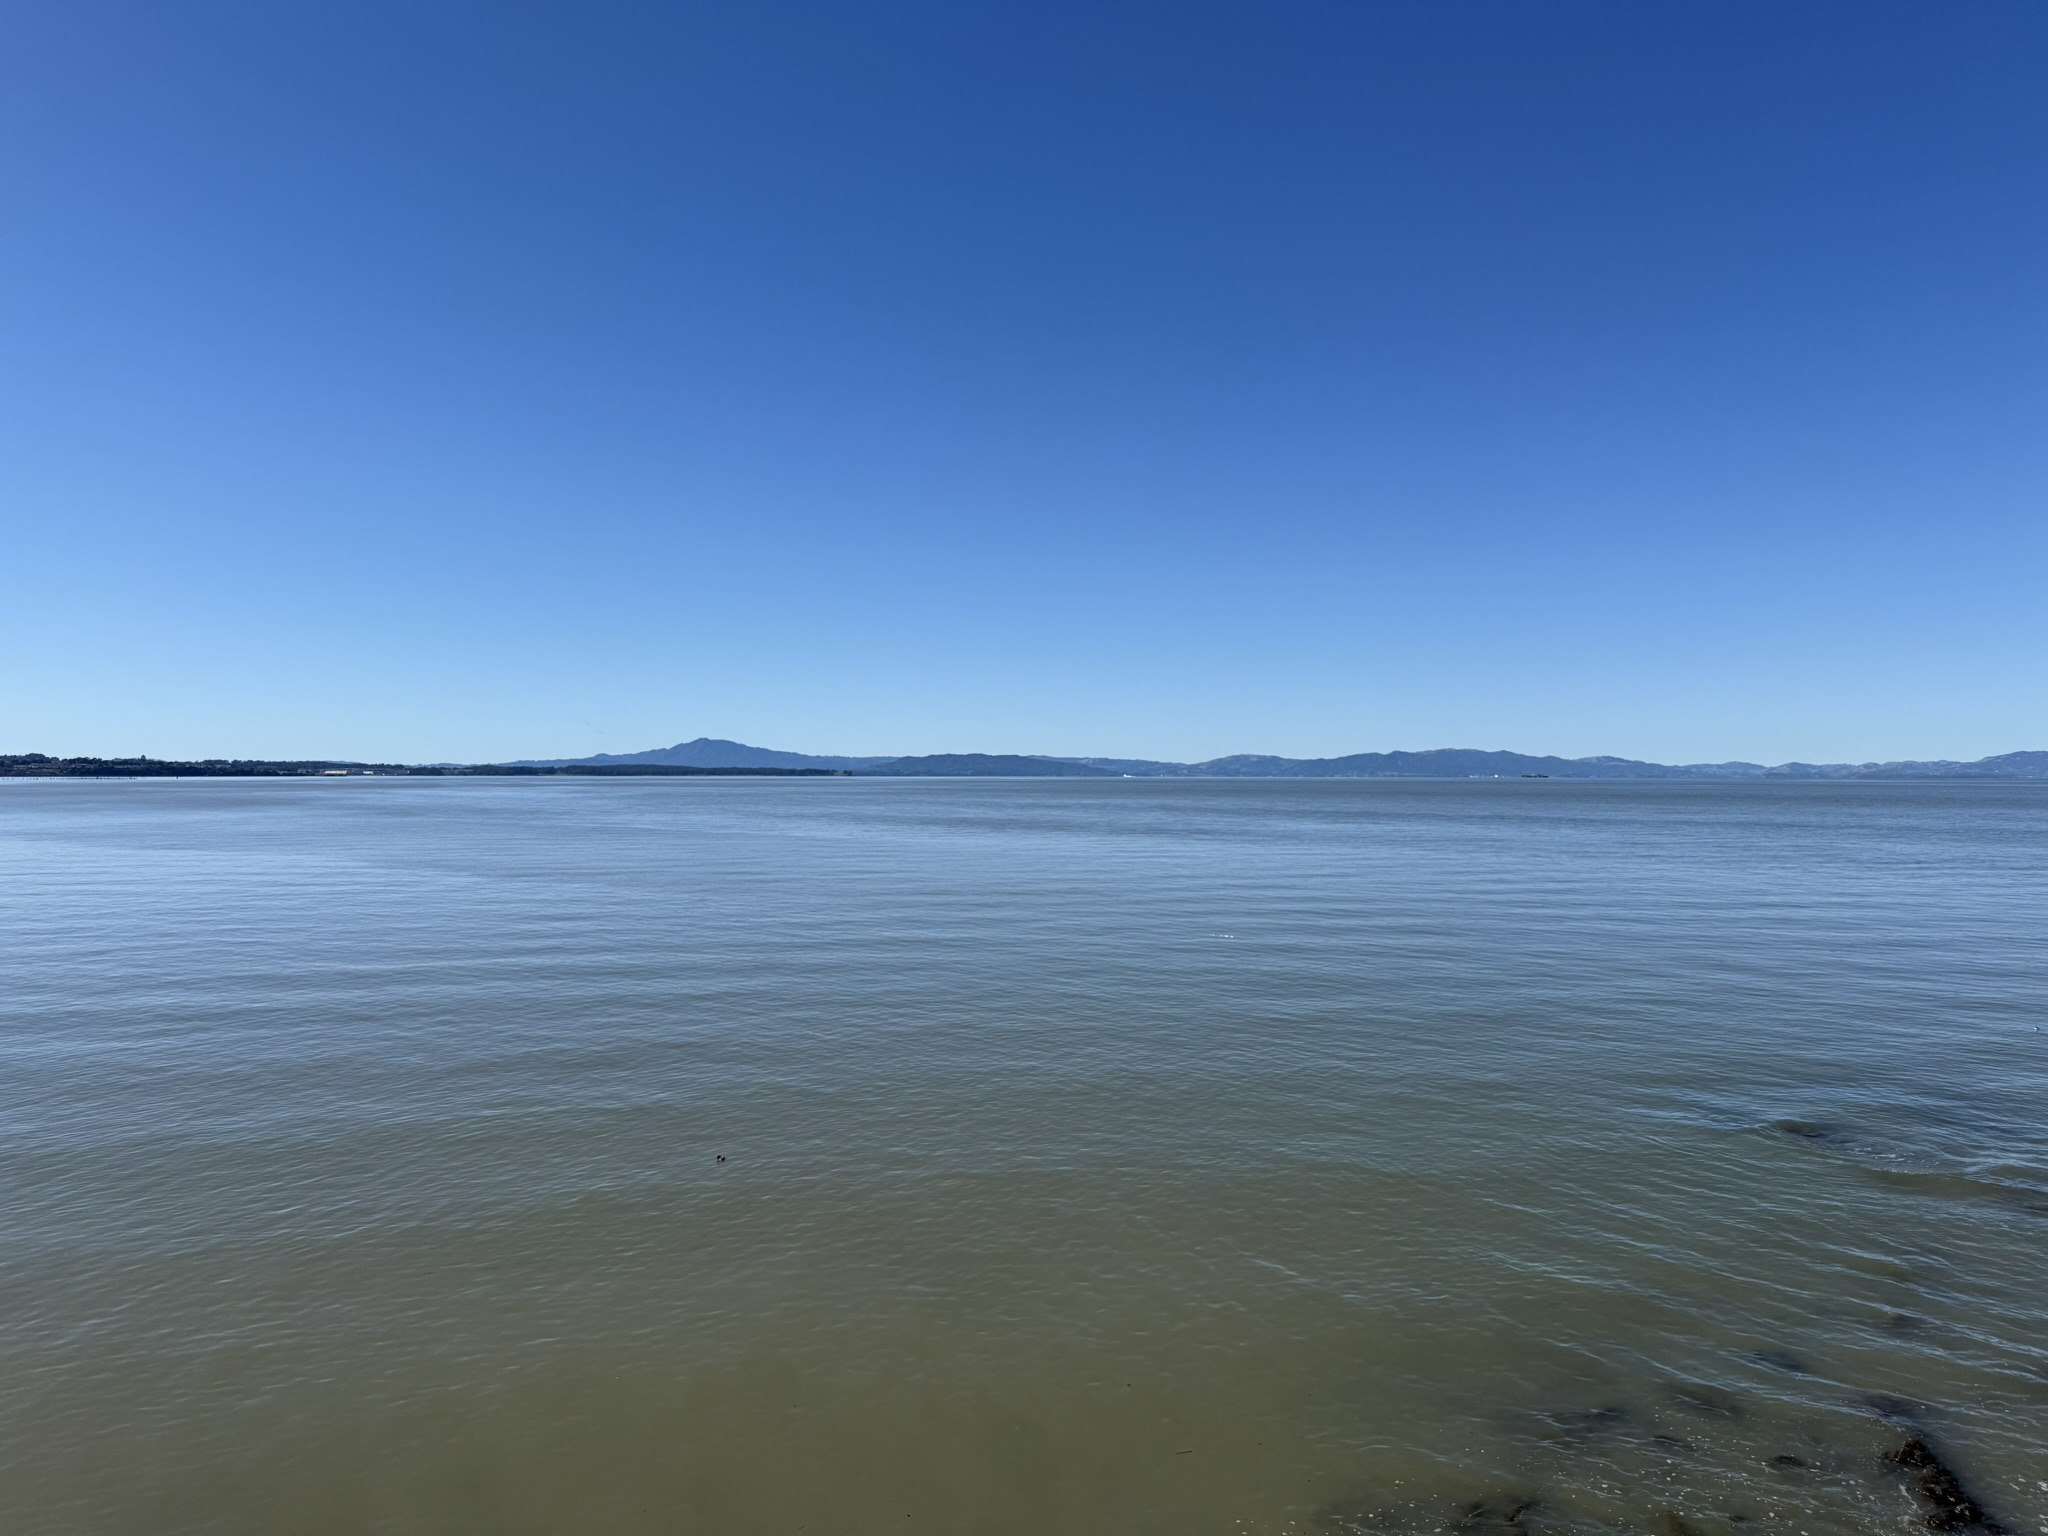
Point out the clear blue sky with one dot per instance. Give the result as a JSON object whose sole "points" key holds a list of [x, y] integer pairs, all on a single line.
{"points": [[447, 381]]}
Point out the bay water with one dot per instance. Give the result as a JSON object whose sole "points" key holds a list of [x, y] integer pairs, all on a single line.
{"points": [[1008, 1156]]}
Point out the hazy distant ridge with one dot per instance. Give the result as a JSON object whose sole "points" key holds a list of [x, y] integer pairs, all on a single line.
{"points": [[1441, 763], [1461, 762]]}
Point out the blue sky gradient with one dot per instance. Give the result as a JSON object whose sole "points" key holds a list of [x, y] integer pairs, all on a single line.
{"points": [[446, 381]]}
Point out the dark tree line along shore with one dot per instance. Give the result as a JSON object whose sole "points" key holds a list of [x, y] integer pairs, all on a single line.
{"points": [[35, 765]]}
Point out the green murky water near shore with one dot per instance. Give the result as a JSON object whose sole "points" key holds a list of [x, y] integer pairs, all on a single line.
{"points": [[1098, 1157]]}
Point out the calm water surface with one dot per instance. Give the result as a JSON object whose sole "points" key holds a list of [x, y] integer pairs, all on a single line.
{"points": [[1099, 1157]]}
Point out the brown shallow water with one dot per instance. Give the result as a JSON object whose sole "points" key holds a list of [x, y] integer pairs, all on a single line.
{"points": [[1100, 1157]]}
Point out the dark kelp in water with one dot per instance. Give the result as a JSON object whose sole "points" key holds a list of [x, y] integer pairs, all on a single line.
{"points": [[1899, 1411], [1813, 1130], [1585, 1423], [1485, 1516], [1508, 1515], [1947, 1504]]}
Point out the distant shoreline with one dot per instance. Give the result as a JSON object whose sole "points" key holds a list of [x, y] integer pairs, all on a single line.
{"points": [[1450, 765]]}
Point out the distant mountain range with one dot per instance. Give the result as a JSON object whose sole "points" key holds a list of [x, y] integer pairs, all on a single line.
{"points": [[1442, 763]]}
